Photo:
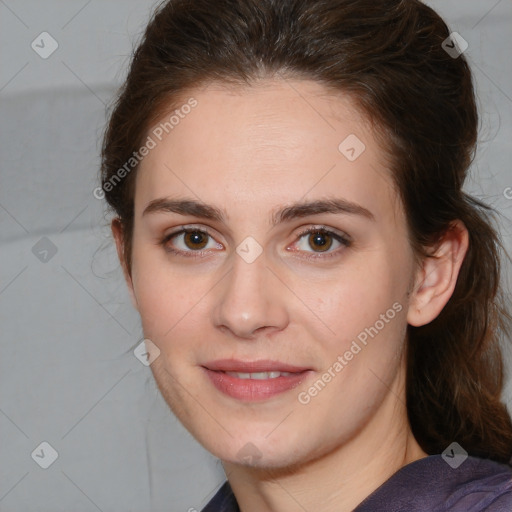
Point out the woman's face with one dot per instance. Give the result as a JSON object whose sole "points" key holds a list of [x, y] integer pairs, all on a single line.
{"points": [[250, 293]]}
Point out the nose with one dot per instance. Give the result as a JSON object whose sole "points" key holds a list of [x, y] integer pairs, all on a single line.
{"points": [[251, 300]]}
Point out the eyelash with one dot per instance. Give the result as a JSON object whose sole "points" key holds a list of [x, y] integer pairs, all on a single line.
{"points": [[344, 240]]}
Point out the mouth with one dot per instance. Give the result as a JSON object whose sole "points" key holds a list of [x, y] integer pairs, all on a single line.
{"points": [[254, 380], [259, 375]]}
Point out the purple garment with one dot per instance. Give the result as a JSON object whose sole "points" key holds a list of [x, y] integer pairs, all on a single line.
{"points": [[425, 485]]}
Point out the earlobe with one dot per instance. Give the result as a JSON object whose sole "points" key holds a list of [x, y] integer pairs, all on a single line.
{"points": [[437, 277], [117, 232]]}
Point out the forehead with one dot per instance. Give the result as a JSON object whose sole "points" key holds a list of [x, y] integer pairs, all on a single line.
{"points": [[271, 143]]}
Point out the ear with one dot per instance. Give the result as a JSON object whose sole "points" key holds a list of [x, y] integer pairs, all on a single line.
{"points": [[437, 277], [117, 232]]}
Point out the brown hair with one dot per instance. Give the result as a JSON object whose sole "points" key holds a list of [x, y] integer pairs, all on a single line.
{"points": [[388, 56]]}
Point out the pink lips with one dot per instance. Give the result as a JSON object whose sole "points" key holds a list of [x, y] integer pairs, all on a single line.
{"points": [[251, 389]]}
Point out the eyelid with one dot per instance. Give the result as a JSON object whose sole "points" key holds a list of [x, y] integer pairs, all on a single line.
{"points": [[183, 230], [343, 238], [325, 229]]}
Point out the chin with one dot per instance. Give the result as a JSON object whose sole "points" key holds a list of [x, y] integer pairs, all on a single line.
{"points": [[257, 452]]}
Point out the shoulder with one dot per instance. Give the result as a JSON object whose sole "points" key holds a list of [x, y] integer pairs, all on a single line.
{"points": [[431, 483], [475, 485], [223, 501]]}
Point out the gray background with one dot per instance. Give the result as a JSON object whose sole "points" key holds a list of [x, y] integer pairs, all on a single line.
{"points": [[67, 327]]}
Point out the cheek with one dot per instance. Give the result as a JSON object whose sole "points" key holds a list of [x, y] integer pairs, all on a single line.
{"points": [[356, 295], [157, 291], [365, 312], [171, 302]]}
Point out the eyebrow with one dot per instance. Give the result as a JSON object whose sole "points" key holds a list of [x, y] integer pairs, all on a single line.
{"points": [[296, 210]]}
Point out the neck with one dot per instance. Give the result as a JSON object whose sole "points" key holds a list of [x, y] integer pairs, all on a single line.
{"points": [[338, 480]]}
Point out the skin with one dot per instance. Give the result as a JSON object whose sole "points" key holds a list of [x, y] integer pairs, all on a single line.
{"points": [[250, 151]]}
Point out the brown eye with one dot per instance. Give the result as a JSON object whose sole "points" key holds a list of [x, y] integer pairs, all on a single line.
{"points": [[195, 239], [320, 240], [190, 242]]}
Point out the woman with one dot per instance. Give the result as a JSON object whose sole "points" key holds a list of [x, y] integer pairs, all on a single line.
{"points": [[319, 297]]}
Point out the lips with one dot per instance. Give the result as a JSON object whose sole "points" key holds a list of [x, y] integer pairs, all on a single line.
{"points": [[234, 365], [259, 375], [254, 380]]}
